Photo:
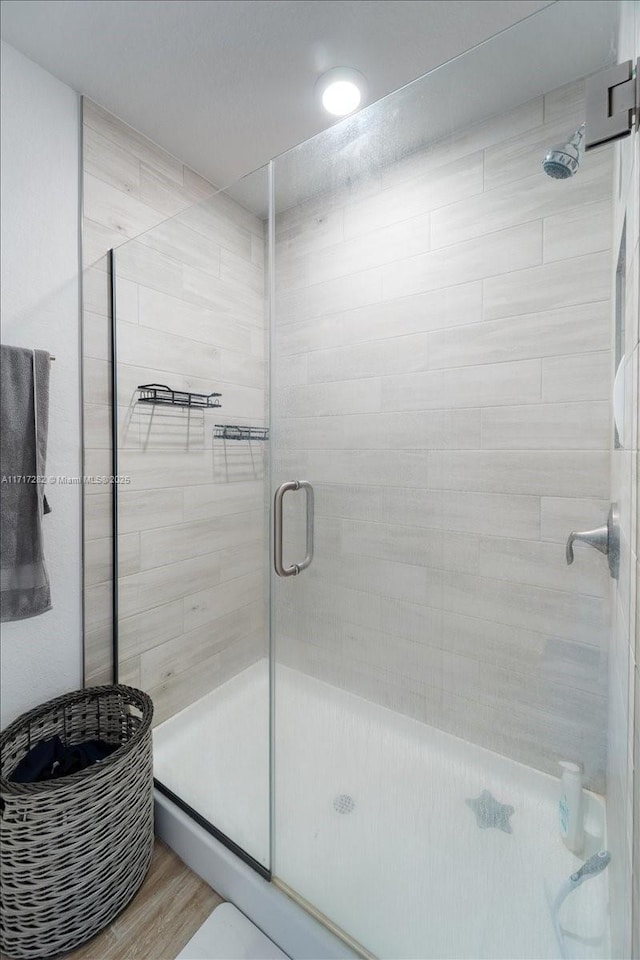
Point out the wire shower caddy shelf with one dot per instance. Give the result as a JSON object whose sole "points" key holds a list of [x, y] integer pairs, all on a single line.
{"points": [[160, 393]]}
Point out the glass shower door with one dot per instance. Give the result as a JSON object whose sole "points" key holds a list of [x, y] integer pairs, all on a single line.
{"points": [[441, 383], [192, 596]]}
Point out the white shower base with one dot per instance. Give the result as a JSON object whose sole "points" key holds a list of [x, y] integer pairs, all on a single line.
{"points": [[408, 872]]}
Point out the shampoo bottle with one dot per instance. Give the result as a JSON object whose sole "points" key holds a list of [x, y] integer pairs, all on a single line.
{"points": [[571, 807]]}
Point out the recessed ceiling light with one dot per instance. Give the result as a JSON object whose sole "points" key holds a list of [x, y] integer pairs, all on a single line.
{"points": [[341, 90]]}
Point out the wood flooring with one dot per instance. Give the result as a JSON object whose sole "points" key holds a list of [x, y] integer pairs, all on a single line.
{"points": [[171, 905]]}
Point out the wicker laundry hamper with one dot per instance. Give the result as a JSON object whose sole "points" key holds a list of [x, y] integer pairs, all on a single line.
{"points": [[75, 849]]}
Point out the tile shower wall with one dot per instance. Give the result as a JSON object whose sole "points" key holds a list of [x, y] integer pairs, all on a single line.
{"points": [[443, 349], [190, 307], [623, 768]]}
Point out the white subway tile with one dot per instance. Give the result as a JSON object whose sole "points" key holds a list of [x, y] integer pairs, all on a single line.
{"points": [[406, 467], [152, 469], [95, 291], [458, 180], [98, 654], [145, 347], [379, 358], [97, 561], [385, 245], [439, 429], [242, 369], [329, 399], [117, 210], [536, 473], [196, 186], [172, 581], [499, 253], [566, 103], [215, 222], [548, 287], [452, 306], [98, 604], [476, 137], [167, 545], [582, 328], [579, 230], [522, 154], [517, 202], [547, 426], [561, 515], [180, 243], [96, 381], [183, 688], [192, 650], [150, 509], [141, 264], [542, 565], [578, 377], [393, 655], [308, 227], [473, 386], [97, 516], [224, 294], [489, 513], [173, 315], [223, 599], [96, 241], [106, 160], [416, 545], [312, 433], [240, 272], [332, 296], [130, 140], [162, 192], [217, 500]]}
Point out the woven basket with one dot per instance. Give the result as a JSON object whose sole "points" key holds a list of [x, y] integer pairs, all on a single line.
{"points": [[76, 849]]}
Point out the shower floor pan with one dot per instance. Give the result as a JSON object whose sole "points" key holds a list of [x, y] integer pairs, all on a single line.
{"points": [[372, 825]]}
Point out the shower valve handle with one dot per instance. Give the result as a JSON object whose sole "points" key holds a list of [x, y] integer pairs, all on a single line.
{"points": [[605, 539], [597, 538]]}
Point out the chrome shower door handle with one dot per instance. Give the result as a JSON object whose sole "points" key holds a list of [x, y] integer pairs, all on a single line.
{"points": [[278, 564], [308, 556]]}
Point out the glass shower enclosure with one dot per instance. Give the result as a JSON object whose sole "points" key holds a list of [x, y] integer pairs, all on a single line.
{"points": [[364, 396], [191, 382]]}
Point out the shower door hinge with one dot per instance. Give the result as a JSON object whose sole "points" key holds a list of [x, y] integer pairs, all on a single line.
{"points": [[612, 98]]}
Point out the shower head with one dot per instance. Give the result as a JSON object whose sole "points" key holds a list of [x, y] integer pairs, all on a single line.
{"points": [[563, 160], [591, 868]]}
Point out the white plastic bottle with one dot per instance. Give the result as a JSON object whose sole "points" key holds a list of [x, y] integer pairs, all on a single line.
{"points": [[571, 806]]}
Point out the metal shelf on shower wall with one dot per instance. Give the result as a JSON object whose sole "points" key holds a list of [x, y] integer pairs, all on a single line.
{"points": [[160, 393], [231, 431]]}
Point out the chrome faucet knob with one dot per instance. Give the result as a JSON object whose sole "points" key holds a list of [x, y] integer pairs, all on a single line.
{"points": [[605, 539], [598, 538]]}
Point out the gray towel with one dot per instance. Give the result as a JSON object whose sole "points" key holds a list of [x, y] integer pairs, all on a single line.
{"points": [[24, 420]]}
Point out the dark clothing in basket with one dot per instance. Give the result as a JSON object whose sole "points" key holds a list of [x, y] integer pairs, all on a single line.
{"points": [[53, 758]]}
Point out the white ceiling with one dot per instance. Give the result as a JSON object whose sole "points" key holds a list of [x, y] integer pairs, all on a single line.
{"points": [[225, 85], [566, 41]]}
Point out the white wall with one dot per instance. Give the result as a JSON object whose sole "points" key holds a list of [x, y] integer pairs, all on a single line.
{"points": [[42, 657]]}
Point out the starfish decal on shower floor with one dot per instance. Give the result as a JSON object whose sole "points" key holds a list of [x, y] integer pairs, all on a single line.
{"points": [[490, 812]]}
